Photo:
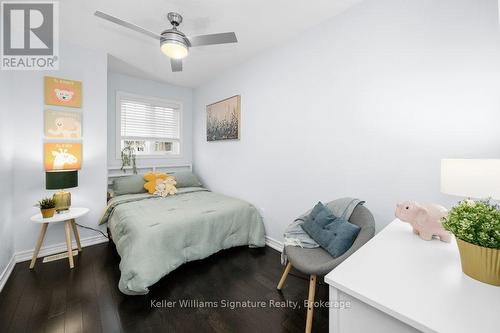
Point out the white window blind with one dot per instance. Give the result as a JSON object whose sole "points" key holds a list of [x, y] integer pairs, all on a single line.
{"points": [[143, 120], [149, 125]]}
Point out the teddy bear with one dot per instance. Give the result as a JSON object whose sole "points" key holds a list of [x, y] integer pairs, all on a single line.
{"points": [[424, 218], [165, 187]]}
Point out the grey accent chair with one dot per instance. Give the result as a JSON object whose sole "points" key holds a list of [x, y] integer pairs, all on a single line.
{"points": [[317, 262]]}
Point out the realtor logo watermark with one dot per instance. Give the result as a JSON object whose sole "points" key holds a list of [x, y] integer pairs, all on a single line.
{"points": [[30, 35]]}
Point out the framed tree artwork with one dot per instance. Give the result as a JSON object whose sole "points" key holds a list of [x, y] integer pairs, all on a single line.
{"points": [[224, 119]]}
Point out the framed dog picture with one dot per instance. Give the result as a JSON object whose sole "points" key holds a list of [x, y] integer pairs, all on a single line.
{"points": [[62, 124], [62, 92]]}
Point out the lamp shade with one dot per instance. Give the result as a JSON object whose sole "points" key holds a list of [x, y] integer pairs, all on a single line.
{"points": [[58, 180], [474, 178], [174, 49]]}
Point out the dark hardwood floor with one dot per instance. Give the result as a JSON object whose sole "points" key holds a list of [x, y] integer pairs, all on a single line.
{"points": [[53, 298]]}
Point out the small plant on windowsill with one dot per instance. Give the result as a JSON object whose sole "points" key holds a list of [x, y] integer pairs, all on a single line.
{"points": [[128, 158], [47, 207], [476, 225]]}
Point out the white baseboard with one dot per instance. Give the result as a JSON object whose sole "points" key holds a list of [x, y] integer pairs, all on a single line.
{"points": [[274, 244], [45, 251], [7, 271], [57, 248]]}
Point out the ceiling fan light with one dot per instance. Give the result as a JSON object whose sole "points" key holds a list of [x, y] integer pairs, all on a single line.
{"points": [[174, 49]]}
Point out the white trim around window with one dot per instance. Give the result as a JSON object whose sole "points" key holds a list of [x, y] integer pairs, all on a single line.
{"points": [[155, 101]]}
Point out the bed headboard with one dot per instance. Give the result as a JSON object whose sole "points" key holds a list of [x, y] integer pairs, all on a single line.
{"points": [[115, 172]]}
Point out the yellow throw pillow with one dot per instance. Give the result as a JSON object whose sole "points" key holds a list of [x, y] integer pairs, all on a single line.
{"points": [[151, 178]]}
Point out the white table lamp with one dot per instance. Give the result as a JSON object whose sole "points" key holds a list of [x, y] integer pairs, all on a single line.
{"points": [[473, 178]]}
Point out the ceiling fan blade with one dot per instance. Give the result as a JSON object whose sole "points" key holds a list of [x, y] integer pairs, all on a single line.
{"points": [[223, 38], [126, 24], [176, 65]]}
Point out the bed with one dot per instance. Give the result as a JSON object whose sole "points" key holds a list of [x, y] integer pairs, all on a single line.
{"points": [[155, 235]]}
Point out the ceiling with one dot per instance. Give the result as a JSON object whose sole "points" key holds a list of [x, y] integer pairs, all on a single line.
{"points": [[259, 25]]}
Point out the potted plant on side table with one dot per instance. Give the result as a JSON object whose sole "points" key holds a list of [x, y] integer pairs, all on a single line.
{"points": [[47, 207], [476, 226]]}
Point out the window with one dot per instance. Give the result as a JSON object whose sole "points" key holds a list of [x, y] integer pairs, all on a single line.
{"points": [[149, 125]]}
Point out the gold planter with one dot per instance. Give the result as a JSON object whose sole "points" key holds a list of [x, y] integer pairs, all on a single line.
{"points": [[480, 263], [48, 212]]}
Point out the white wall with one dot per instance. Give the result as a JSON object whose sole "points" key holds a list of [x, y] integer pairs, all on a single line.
{"points": [[89, 67], [364, 105], [6, 173], [120, 82]]}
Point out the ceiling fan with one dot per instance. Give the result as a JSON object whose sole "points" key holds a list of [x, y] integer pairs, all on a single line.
{"points": [[173, 43]]}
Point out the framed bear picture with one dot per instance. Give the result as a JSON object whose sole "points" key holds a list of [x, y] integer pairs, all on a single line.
{"points": [[62, 92], [62, 124]]}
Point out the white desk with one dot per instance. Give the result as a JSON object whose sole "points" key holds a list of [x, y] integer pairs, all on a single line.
{"points": [[400, 283]]}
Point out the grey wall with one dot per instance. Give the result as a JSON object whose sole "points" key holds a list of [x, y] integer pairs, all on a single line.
{"points": [[77, 63], [6, 173], [364, 105], [125, 83]]}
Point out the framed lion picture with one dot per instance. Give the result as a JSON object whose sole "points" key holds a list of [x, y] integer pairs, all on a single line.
{"points": [[223, 119], [62, 92]]}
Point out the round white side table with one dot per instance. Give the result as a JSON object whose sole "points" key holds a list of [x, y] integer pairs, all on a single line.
{"points": [[68, 218]]}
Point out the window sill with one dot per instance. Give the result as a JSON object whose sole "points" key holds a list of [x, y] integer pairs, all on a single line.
{"points": [[157, 157]]}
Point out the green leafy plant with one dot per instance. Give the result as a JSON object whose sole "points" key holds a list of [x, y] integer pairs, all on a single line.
{"points": [[476, 222], [46, 203], [128, 158]]}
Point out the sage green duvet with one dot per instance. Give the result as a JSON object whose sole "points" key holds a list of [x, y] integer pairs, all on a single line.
{"points": [[155, 235]]}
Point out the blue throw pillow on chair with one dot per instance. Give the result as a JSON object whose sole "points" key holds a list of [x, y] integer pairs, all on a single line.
{"points": [[334, 234]]}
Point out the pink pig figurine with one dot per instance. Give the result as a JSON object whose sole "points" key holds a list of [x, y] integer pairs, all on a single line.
{"points": [[425, 219]]}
